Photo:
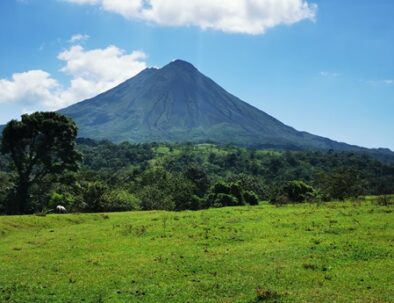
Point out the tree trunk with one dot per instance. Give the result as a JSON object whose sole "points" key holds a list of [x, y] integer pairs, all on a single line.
{"points": [[22, 196]]}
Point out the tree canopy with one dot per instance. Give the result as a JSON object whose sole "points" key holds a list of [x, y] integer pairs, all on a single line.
{"points": [[115, 177], [41, 146]]}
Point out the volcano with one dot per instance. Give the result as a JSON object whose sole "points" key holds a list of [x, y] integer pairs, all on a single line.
{"points": [[177, 103]]}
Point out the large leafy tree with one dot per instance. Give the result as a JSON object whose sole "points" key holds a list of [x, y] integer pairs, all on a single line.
{"points": [[41, 147]]}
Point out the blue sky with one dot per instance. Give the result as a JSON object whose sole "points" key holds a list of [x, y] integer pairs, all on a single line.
{"points": [[322, 66]]}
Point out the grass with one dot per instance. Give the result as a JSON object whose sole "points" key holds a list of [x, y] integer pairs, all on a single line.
{"points": [[336, 252]]}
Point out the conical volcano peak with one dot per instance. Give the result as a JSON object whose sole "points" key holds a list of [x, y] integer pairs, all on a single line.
{"points": [[180, 64], [177, 103]]}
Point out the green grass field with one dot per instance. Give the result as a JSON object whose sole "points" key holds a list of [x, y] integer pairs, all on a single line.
{"points": [[336, 252]]}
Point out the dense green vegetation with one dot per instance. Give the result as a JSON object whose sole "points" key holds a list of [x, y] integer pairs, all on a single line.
{"points": [[121, 177], [332, 252]]}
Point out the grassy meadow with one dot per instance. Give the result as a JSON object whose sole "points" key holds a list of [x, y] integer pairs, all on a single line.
{"points": [[334, 252]]}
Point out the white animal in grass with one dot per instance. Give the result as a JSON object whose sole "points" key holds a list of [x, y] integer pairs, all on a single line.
{"points": [[61, 209]]}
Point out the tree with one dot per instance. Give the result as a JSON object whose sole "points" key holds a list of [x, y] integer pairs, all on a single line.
{"points": [[225, 194], [199, 178], [41, 147], [293, 191], [298, 191]]}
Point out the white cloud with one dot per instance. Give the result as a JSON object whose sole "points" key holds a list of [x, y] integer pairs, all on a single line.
{"points": [[92, 72], [78, 38], [235, 16], [387, 82], [329, 74], [95, 71], [28, 87]]}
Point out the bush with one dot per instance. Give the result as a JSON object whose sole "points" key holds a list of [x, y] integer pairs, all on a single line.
{"points": [[221, 188], [298, 191], [251, 198], [221, 200], [93, 196], [97, 197], [196, 203], [120, 200], [181, 191], [229, 194], [237, 192], [251, 183], [294, 191], [343, 183], [66, 200], [153, 197]]}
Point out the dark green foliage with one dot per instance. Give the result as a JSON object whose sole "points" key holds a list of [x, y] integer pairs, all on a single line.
{"points": [[106, 155], [251, 198], [294, 191], [237, 191], [93, 196], [160, 189], [99, 197], [187, 176], [190, 176], [251, 183], [67, 200], [221, 188], [42, 148], [222, 200], [199, 178], [5, 188], [229, 194], [152, 197], [342, 183], [297, 191], [121, 200]]}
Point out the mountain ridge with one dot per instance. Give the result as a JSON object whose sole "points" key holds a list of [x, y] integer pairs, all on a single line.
{"points": [[177, 103]]}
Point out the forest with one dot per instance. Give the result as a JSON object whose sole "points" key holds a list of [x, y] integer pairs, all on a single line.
{"points": [[158, 176]]}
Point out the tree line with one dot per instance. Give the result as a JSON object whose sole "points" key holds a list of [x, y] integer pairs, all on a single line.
{"points": [[44, 165]]}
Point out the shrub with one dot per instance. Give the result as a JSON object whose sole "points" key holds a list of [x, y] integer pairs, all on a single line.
{"points": [[293, 191], [66, 200], [153, 197], [251, 198], [251, 183], [298, 191], [229, 194], [120, 200], [342, 183], [222, 200], [221, 188], [181, 191], [93, 196], [237, 192], [98, 197]]}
